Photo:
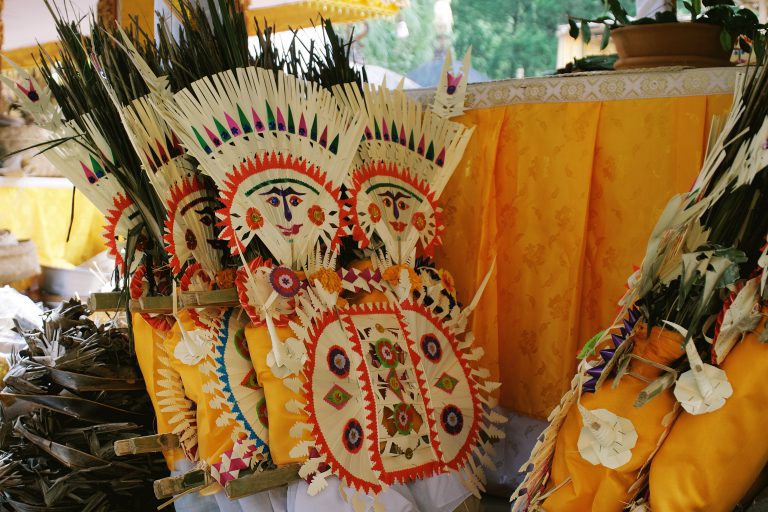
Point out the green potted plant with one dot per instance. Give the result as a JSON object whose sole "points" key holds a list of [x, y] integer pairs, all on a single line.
{"points": [[706, 40]]}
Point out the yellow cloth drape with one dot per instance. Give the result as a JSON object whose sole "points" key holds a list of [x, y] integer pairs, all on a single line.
{"points": [[42, 214], [564, 195]]}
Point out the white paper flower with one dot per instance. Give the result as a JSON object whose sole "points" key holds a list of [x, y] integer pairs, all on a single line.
{"points": [[704, 388], [606, 439]]}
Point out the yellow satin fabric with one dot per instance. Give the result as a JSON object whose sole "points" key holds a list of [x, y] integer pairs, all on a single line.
{"points": [[564, 195], [277, 395], [212, 440], [575, 483], [42, 215], [148, 344], [709, 461]]}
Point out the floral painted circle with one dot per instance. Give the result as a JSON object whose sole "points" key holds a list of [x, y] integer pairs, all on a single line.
{"points": [[452, 420], [285, 281], [338, 361], [386, 354], [353, 436], [430, 346]]}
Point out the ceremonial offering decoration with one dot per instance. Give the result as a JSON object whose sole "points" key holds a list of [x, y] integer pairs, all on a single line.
{"points": [[701, 283]]}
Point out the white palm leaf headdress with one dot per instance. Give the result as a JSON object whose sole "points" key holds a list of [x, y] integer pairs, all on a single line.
{"points": [[406, 158], [190, 204], [279, 149]]}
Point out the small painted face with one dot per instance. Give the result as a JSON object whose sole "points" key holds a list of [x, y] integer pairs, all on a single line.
{"points": [[291, 204], [398, 204], [199, 210]]}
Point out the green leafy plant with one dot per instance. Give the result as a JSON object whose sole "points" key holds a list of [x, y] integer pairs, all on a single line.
{"points": [[737, 23]]}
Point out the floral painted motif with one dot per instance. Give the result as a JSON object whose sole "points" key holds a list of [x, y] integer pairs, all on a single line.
{"points": [[285, 281], [338, 361]]}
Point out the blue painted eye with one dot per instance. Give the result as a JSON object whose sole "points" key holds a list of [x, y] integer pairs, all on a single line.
{"points": [[273, 201], [295, 201]]}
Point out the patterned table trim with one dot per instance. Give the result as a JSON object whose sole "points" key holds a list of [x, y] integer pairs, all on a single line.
{"points": [[598, 86]]}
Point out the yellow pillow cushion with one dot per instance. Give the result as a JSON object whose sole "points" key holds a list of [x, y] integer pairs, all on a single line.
{"points": [[153, 360], [709, 461], [595, 487], [277, 395]]}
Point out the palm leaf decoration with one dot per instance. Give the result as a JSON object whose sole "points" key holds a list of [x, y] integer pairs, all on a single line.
{"points": [[56, 441]]}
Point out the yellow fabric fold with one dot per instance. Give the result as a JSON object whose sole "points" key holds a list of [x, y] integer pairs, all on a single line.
{"points": [[709, 461], [150, 352], [277, 395], [564, 195]]}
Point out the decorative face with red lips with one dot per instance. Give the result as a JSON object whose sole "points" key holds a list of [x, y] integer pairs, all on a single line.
{"points": [[286, 203], [398, 204], [288, 200], [394, 204]]}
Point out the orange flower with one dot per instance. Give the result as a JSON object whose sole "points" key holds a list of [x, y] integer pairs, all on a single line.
{"points": [[447, 281], [254, 218], [374, 213], [419, 221], [328, 278], [392, 275], [316, 215]]}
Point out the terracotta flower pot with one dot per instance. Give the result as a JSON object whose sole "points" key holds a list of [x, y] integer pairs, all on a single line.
{"points": [[669, 44]]}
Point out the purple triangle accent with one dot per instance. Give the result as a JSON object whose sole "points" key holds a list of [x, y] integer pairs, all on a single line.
{"points": [[590, 385], [607, 354], [420, 148], [216, 141], [233, 127], [161, 150], [440, 160], [89, 173], [384, 130], [368, 134], [628, 326], [617, 340], [596, 371], [633, 315], [257, 121], [281, 121], [402, 136], [324, 137], [302, 126]]}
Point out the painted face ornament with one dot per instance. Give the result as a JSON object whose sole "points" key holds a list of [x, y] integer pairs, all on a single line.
{"points": [[403, 163], [190, 226], [285, 203], [279, 149], [395, 205]]}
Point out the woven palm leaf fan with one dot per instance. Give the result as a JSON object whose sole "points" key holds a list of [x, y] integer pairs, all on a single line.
{"points": [[238, 396], [190, 200], [403, 164], [278, 148], [393, 393], [68, 151]]}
